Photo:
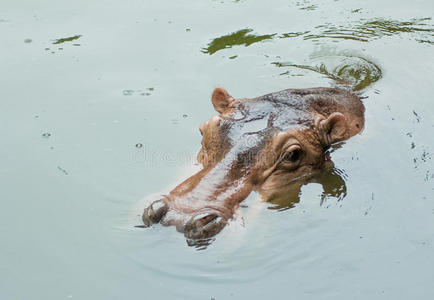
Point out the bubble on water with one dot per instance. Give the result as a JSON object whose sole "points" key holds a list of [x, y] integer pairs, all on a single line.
{"points": [[27, 41], [184, 116], [139, 145], [46, 135], [128, 92], [144, 92]]}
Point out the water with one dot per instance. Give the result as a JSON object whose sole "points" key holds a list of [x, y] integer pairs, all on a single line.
{"points": [[84, 83]]}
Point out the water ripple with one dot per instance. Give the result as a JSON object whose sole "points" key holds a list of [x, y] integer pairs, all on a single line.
{"points": [[373, 29], [355, 71], [361, 31]]}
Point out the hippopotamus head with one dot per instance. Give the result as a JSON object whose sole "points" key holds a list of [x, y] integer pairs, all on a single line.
{"points": [[260, 144]]}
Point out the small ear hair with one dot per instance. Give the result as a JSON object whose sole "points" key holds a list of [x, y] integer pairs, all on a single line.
{"points": [[333, 129], [221, 99]]}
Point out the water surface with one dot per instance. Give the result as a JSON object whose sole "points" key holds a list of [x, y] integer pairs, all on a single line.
{"points": [[100, 105]]}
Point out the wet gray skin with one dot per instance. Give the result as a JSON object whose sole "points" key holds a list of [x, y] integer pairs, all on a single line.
{"points": [[265, 144]]}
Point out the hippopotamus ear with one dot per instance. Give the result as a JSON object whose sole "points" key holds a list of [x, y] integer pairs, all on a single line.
{"points": [[221, 99], [332, 129]]}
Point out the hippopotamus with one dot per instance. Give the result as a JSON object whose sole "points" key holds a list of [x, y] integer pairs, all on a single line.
{"points": [[258, 144]]}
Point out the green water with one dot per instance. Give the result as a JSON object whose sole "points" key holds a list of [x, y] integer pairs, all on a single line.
{"points": [[100, 104]]}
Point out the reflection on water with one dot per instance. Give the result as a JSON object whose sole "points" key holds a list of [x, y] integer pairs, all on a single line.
{"points": [[362, 31], [292, 34], [141, 92], [331, 179], [355, 71], [333, 184], [373, 29], [425, 41], [310, 7], [240, 37], [200, 244], [67, 39], [305, 5]]}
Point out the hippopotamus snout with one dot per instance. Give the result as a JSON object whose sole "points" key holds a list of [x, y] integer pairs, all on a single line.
{"points": [[202, 224]]}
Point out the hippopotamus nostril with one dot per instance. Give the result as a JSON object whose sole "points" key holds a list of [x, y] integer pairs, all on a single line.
{"points": [[154, 212], [204, 226]]}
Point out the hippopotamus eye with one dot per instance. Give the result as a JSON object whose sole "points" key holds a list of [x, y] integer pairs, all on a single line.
{"points": [[293, 154]]}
